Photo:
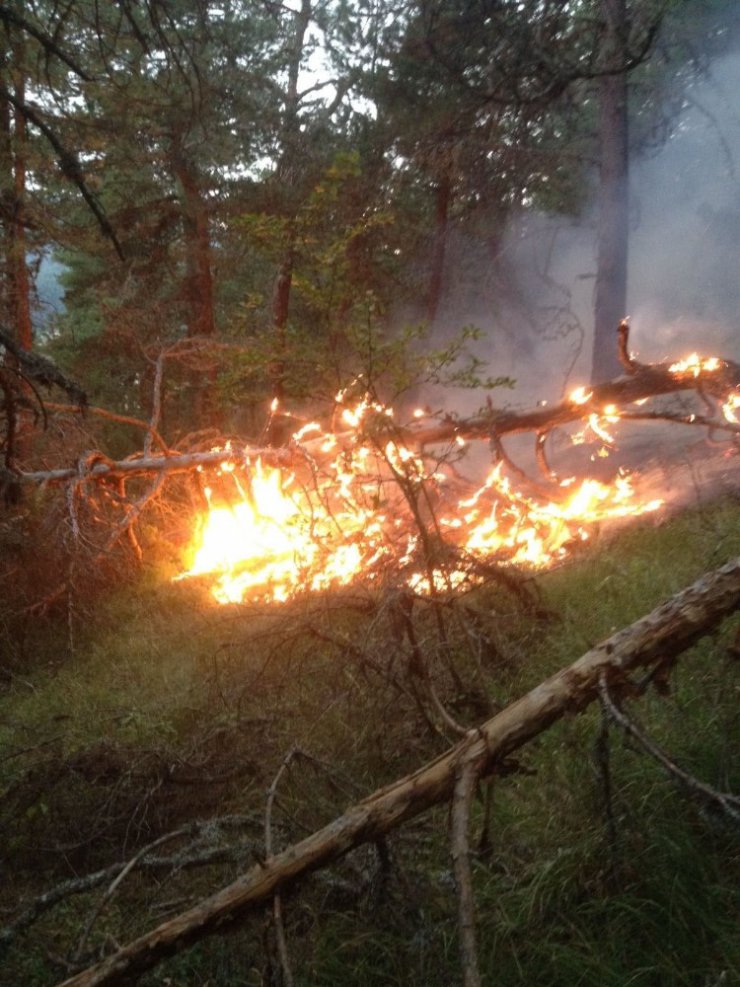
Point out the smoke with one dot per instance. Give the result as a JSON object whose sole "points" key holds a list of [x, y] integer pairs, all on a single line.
{"points": [[684, 287], [536, 308]]}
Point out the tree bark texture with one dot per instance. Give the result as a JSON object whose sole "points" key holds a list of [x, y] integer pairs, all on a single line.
{"points": [[654, 640], [613, 222], [287, 172], [13, 207]]}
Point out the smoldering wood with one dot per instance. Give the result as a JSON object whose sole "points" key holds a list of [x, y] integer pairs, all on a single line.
{"points": [[657, 638], [644, 381]]}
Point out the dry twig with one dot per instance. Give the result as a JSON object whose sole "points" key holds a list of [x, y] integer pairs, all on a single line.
{"points": [[277, 904], [465, 785], [729, 804]]}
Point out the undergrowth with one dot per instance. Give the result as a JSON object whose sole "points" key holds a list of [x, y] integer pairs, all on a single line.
{"points": [[172, 710]]}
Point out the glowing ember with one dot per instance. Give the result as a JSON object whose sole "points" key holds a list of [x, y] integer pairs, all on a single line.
{"points": [[597, 426], [694, 365], [580, 395], [731, 406], [370, 509]]}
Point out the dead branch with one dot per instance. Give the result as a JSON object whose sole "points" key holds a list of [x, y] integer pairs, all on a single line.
{"points": [[642, 382], [647, 381], [116, 882], [277, 903], [189, 856], [729, 804], [104, 469], [112, 416], [465, 785], [40, 369], [669, 629]]}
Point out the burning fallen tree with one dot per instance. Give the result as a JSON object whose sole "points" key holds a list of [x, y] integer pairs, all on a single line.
{"points": [[367, 501], [368, 496]]}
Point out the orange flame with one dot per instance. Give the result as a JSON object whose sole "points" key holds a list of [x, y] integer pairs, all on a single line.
{"points": [[694, 365], [371, 509], [731, 406]]}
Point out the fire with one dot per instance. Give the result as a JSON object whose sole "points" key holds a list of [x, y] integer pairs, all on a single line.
{"points": [[580, 395], [376, 507], [731, 406], [522, 530], [694, 365]]}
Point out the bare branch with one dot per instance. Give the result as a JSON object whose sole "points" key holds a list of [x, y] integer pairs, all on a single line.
{"points": [[644, 381], [277, 904], [465, 784], [729, 804]]}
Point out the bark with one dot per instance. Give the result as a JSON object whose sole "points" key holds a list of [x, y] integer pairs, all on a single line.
{"points": [[280, 311], [198, 284], [613, 224], [17, 301], [287, 174], [7, 187], [18, 267], [655, 640]]}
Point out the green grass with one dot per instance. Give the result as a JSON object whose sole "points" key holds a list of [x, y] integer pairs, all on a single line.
{"points": [[172, 709]]}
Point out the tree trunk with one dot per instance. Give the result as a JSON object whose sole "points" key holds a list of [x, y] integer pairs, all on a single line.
{"points": [[198, 284], [287, 173], [443, 196], [280, 311], [198, 287], [655, 640], [613, 224], [19, 280], [16, 300]]}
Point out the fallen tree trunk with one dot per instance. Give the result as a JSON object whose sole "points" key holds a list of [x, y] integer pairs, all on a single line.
{"points": [[654, 640], [644, 381]]}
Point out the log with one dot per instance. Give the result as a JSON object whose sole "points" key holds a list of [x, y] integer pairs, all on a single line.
{"points": [[644, 381], [654, 640]]}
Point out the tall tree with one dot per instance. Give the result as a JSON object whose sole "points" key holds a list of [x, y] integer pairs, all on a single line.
{"points": [[13, 167], [610, 305]]}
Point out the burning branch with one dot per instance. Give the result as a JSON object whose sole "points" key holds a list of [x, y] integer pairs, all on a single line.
{"points": [[374, 497], [710, 377], [667, 630]]}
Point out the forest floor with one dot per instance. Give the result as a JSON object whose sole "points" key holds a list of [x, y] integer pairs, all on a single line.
{"points": [[155, 711]]}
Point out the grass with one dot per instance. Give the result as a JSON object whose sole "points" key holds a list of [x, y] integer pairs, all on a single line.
{"points": [[171, 709]]}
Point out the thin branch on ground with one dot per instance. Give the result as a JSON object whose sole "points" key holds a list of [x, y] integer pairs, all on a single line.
{"points": [[465, 784], [602, 758], [728, 803], [277, 904], [189, 856], [115, 884]]}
